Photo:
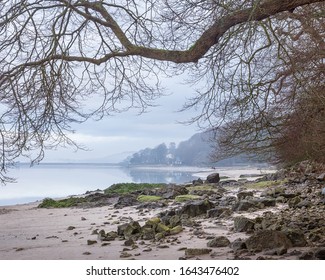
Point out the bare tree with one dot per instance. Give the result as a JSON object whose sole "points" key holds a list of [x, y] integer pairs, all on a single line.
{"points": [[56, 55]]}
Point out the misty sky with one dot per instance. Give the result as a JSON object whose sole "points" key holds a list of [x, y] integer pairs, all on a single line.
{"points": [[130, 132]]}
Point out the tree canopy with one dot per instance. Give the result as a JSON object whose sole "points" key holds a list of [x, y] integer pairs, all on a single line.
{"points": [[256, 60]]}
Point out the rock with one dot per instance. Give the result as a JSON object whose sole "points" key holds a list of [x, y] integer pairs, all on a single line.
{"points": [[196, 208], [243, 224], [153, 222], [323, 191], [125, 255], [174, 221], [132, 228], [307, 256], [219, 241], [293, 202], [267, 202], [196, 251], [296, 237], [159, 236], [320, 253], [304, 203], [244, 205], [91, 242], [197, 182], [213, 178], [244, 194], [162, 228], [148, 233], [321, 177], [71, 228], [176, 230], [238, 244], [126, 200], [128, 242], [268, 239], [217, 212]]}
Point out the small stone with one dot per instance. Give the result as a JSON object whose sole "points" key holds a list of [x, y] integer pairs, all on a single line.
{"points": [[86, 253], [71, 228], [125, 255], [320, 254], [91, 242], [197, 251], [128, 242], [83, 219]]}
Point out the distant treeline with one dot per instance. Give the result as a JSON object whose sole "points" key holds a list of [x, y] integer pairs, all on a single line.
{"points": [[196, 151]]}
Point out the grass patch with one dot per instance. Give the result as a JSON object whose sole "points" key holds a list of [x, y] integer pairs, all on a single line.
{"points": [[186, 197], [63, 203], [265, 184], [149, 198], [123, 188]]}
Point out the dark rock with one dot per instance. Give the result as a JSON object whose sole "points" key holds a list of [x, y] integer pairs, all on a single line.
{"points": [[244, 194], [293, 202], [320, 254], [197, 251], [71, 228], [174, 221], [238, 244], [305, 203], [126, 200], [129, 229], [268, 239], [148, 233], [213, 178], [197, 182], [321, 177], [91, 242], [128, 242], [242, 224], [267, 202], [196, 208], [219, 241], [296, 237], [216, 212], [244, 205], [307, 256]]}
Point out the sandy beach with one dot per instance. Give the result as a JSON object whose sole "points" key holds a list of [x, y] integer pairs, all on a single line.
{"points": [[28, 232]]}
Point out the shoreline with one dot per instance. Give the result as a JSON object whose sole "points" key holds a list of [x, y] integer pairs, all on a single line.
{"points": [[95, 233]]}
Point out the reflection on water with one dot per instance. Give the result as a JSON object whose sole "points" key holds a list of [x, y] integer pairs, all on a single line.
{"points": [[60, 180], [159, 176]]}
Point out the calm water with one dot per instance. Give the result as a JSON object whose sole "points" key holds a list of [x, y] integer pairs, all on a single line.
{"points": [[60, 180]]}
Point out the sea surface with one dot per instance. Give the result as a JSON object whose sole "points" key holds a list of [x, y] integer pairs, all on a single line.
{"points": [[61, 180]]}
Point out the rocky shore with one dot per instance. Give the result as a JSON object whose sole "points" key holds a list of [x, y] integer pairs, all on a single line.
{"points": [[278, 216]]}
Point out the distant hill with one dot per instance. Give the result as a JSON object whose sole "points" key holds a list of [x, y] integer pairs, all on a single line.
{"points": [[196, 151]]}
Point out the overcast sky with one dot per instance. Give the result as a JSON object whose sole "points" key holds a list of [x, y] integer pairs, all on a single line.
{"points": [[130, 132]]}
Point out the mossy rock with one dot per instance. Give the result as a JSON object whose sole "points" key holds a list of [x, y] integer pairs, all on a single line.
{"points": [[162, 228], [148, 198], [153, 222], [63, 203], [176, 230], [187, 197], [201, 188], [124, 188]]}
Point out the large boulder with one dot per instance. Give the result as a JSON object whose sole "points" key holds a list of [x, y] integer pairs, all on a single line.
{"points": [[196, 208], [268, 239], [213, 178]]}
